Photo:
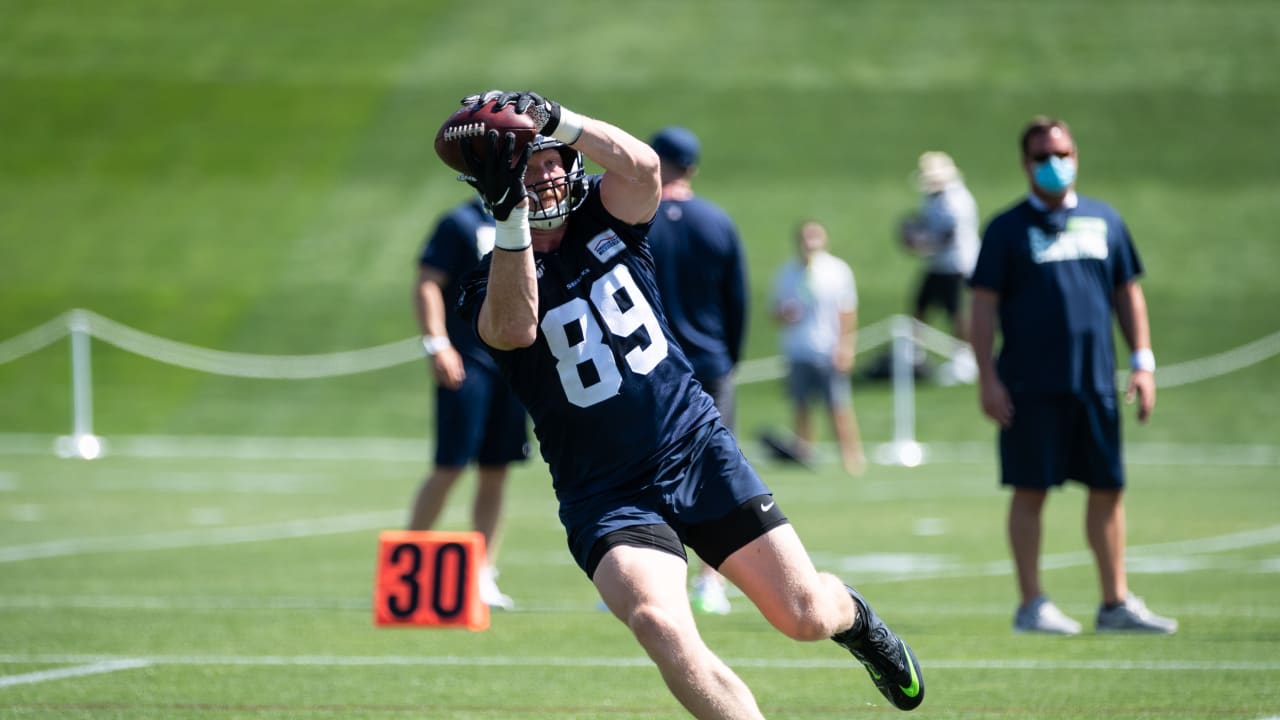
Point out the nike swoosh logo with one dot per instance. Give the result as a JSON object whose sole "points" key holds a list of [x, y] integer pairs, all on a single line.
{"points": [[766, 507], [914, 688]]}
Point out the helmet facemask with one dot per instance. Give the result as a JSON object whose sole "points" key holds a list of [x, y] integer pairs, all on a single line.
{"points": [[571, 189]]}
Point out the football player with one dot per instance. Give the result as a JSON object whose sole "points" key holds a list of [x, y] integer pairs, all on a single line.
{"points": [[567, 303]]}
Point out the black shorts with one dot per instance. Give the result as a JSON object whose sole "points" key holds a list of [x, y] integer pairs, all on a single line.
{"points": [[940, 290], [714, 542], [1055, 438]]}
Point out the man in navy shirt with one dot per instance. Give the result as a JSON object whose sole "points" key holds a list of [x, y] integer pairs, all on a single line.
{"points": [[702, 280], [478, 419], [568, 305], [1052, 271]]}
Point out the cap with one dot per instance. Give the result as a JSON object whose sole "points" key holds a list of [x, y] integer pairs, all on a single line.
{"points": [[935, 171], [677, 145]]}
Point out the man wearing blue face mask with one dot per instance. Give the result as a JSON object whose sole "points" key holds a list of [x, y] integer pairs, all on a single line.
{"points": [[1052, 271]]}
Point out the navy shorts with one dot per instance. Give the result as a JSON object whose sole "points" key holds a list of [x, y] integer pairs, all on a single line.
{"points": [[481, 421], [1055, 438], [705, 482], [809, 380]]}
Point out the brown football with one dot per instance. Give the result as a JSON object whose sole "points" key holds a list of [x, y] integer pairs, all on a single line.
{"points": [[471, 124]]}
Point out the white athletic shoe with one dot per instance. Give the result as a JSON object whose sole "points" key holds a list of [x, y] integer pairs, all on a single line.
{"points": [[709, 595], [1133, 616], [489, 592], [1042, 616]]}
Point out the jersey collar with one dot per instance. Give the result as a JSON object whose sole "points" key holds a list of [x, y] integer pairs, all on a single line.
{"points": [[1068, 203]]}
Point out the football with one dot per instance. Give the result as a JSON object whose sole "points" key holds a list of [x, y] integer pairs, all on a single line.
{"points": [[471, 124], [915, 236]]}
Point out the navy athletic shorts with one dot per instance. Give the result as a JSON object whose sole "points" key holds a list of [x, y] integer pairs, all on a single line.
{"points": [[1055, 438], [481, 421], [706, 483]]}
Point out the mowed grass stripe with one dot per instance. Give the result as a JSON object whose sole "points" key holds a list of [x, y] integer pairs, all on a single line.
{"points": [[1043, 664]]}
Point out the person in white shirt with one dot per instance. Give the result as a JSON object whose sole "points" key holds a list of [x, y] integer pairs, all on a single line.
{"points": [[945, 233], [815, 300]]}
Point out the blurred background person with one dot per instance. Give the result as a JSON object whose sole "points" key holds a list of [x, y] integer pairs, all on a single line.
{"points": [[815, 300], [478, 418], [944, 232], [702, 278], [1053, 270]]}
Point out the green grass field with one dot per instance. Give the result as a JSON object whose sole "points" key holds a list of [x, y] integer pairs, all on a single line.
{"points": [[241, 589], [256, 177]]}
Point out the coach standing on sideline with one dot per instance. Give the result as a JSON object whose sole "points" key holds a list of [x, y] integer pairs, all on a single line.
{"points": [[1053, 269], [702, 279]]}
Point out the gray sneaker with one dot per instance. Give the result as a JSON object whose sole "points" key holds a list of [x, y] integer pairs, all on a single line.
{"points": [[1133, 616], [1042, 616]]}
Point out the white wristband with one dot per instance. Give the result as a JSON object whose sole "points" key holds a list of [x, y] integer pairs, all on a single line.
{"points": [[433, 344], [512, 234], [570, 127], [1143, 359]]}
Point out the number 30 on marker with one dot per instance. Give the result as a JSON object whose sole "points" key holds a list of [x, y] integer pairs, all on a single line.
{"points": [[430, 578]]}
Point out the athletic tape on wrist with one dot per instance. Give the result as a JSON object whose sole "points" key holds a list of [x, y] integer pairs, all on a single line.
{"points": [[1143, 359], [570, 127], [513, 233]]}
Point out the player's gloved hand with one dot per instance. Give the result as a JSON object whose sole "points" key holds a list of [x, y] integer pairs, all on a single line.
{"points": [[501, 186], [548, 116], [545, 113]]}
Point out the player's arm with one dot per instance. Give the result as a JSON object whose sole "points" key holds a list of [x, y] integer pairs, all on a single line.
{"points": [[735, 302], [632, 182], [508, 316], [847, 347], [428, 303], [1131, 313], [992, 395]]}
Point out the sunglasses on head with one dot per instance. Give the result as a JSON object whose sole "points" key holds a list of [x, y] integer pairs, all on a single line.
{"points": [[1041, 157]]}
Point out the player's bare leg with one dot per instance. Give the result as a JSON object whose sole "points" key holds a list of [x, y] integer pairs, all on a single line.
{"points": [[486, 510], [803, 425], [431, 496], [775, 572], [645, 589], [1025, 510], [1104, 525], [849, 437]]}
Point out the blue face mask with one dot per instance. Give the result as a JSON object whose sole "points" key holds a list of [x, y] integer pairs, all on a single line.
{"points": [[1055, 175]]}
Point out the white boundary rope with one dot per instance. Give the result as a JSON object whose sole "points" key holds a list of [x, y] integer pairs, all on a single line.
{"points": [[301, 367]]}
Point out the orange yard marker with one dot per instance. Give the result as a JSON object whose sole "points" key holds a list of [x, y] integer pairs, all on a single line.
{"points": [[430, 578]]}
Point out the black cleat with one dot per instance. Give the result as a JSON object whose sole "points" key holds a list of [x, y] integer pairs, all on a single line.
{"points": [[890, 662]]}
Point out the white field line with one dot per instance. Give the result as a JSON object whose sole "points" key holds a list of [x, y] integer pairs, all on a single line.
{"points": [[204, 537], [147, 603], [1168, 665], [410, 450], [96, 667]]}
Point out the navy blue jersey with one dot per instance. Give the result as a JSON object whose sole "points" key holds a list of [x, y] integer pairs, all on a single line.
{"points": [[608, 388], [463, 236], [702, 280], [1057, 274]]}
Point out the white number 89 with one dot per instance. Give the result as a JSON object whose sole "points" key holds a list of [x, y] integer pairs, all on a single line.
{"points": [[606, 295]]}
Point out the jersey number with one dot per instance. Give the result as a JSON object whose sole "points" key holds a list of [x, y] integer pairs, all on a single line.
{"points": [[624, 310]]}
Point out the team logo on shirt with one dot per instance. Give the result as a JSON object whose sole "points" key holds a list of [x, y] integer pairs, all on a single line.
{"points": [[605, 245], [1085, 238]]}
